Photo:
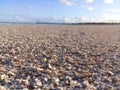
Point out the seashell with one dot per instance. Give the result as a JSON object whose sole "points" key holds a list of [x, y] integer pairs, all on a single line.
{"points": [[54, 72], [25, 82], [15, 70], [3, 77], [48, 71], [16, 62], [11, 73], [13, 51], [45, 79], [54, 57], [88, 86], [25, 89], [116, 80], [49, 66], [55, 84], [39, 69], [56, 81], [2, 88], [73, 83], [44, 59], [109, 73], [108, 80], [38, 82], [2, 68], [70, 60], [7, 80]]}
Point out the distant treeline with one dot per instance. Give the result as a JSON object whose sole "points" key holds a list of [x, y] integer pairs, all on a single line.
{"points": [[93, 23], [99, 23], [86, 23]]}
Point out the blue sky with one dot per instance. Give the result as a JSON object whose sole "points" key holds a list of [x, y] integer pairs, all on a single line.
{"points": [[59, 11]]}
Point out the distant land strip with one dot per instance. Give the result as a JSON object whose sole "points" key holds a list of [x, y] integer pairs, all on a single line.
{"points": [[84, 23]]}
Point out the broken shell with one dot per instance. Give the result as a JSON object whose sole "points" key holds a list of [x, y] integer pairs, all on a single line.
{"points": [[3, 77], [38, 82]]}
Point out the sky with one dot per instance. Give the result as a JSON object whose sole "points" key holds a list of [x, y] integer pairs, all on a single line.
{"points": [[61, 11]]}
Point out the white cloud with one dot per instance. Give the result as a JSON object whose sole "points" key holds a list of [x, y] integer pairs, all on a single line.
{"points": [[106, 17], [108, 1], [68, 2], [90, 8], [18, 18], [110, 17], [89, 1], [111, 10], [81, 19], [71, 19]]}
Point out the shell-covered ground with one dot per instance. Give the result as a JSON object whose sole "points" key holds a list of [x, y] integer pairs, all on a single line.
{"points": [[60, 57]]}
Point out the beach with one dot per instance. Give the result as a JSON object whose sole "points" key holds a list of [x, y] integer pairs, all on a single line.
{"points": [[59, 57]]}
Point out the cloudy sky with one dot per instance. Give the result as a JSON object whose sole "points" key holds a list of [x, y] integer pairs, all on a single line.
{"points": [[68, 11]]}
